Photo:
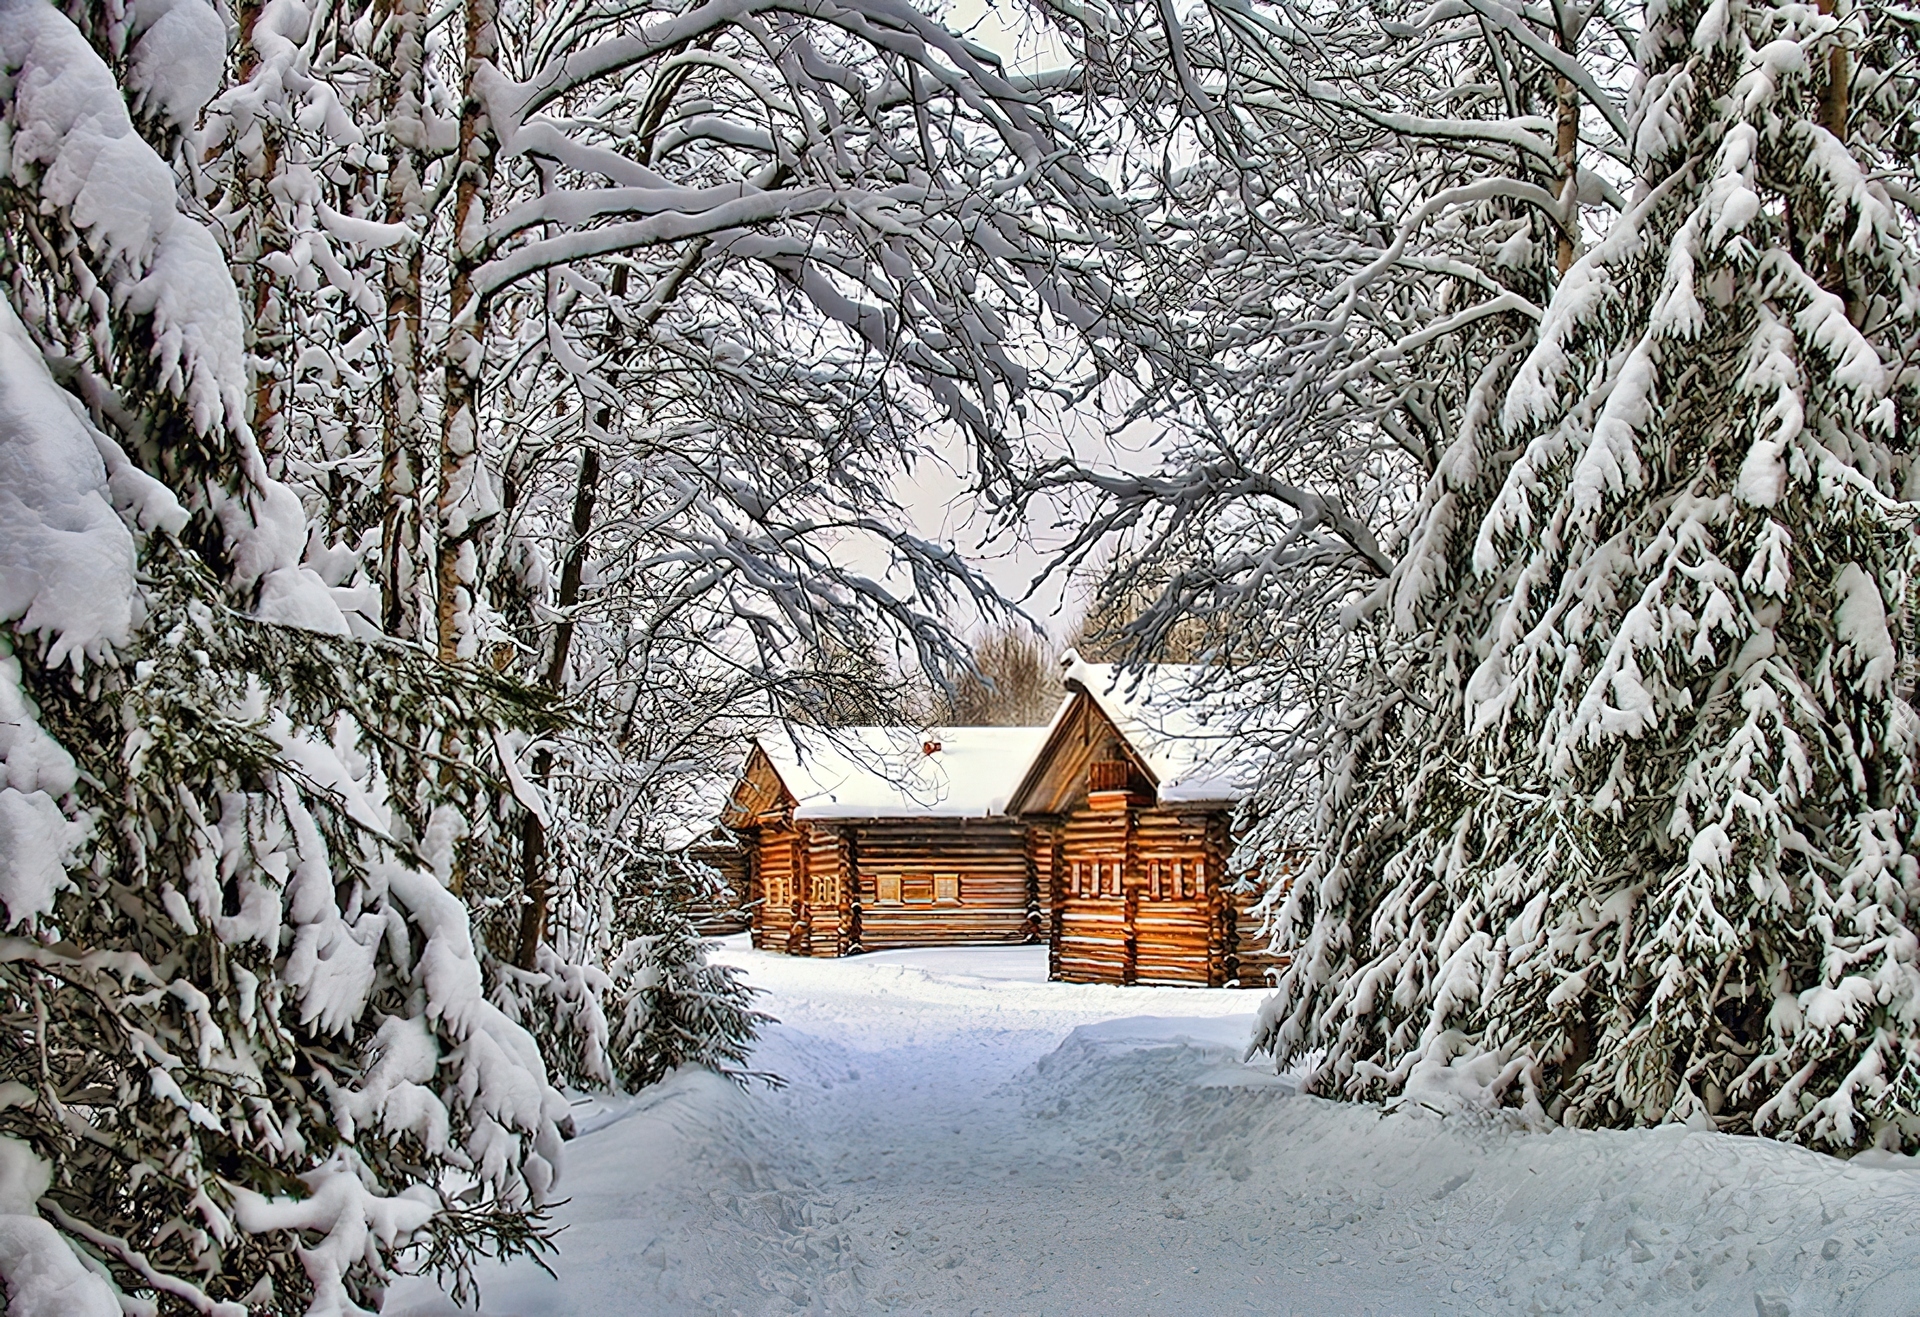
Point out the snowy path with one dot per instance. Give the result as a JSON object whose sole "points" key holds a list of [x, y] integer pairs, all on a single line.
{"points": [[958, 1136]]}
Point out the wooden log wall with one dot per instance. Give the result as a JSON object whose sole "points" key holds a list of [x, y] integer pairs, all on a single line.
{"points": [[1044, 864], [827, 898], [776, 880], [1139, 896], [836, 889], [1180, 929], [1096, 942], [723, 912], [1257, 964], [942, 882]]}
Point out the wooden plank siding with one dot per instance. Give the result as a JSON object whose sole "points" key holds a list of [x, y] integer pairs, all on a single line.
{"points": [[776, 906], [828, 900], [1138, 897], [943, 882], [1258, 965], [1255, 964], [836, 889], [1096, 941]]}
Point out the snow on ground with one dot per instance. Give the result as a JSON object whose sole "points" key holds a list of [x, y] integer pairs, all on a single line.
{"points": [[959, 1136]]}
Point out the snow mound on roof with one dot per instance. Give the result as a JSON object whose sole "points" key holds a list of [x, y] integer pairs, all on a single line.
{"points": [[889, 772], [1182, 719]]}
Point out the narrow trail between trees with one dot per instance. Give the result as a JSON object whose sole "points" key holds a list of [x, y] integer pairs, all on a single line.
{"points": [[958, 1136]]}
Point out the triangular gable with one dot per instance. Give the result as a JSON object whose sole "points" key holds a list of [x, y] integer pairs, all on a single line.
{"points": [[1178, 736], [759, 797], [1080, 736]]}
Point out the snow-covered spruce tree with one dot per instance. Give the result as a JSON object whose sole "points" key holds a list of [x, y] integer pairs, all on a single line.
{"points": [[1625, 827], [247, 1059], [677, 1008]]}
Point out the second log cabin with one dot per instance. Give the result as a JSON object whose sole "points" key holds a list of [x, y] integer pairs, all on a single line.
{"points": [[870, 838], [1128, 803]]}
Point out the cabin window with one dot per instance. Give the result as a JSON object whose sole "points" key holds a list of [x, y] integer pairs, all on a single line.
{"points": [[946, 887], [887, 888], [1097, 877], [823, 885], [916, 889], [777, 890], [1175, 880]]}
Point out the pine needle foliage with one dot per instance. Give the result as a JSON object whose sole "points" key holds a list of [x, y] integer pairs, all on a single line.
{"points": [[246, 1054], [677, 1008], [175, 1060]]}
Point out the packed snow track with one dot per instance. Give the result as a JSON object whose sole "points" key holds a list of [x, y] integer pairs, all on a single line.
{"points": [[956, 1135]]}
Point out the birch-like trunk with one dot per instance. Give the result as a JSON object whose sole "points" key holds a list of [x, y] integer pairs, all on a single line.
{"points": [[461, 506], [403, 439], [1566, 143], [265, 328]]}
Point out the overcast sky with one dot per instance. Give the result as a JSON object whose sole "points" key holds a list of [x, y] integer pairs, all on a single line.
{"points": [[934, 493]]}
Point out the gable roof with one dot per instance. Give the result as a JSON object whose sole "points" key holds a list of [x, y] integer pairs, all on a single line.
{"points": [[887, 772], [1181, 728]]}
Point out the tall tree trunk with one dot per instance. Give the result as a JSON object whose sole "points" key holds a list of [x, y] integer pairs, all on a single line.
{"points": [[1566, 144], [1834, 107], [460, 507], [535, 881], [535, 877], [265, 327], [403, 446], [1834, 112]]}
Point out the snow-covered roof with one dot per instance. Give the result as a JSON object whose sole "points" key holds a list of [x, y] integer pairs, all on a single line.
{"points": [[890, 772], [1178, 718]]}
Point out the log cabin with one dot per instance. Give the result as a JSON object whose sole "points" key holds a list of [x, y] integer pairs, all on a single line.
{"points": [[706, 860], [718, 906], [1128, 805], [873, 838]]}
